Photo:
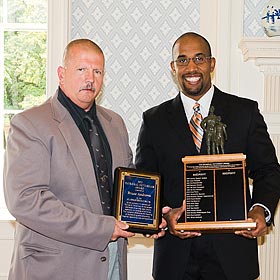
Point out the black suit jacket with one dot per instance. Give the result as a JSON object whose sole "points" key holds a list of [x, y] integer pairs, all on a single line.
{"points": [[165, 138]]}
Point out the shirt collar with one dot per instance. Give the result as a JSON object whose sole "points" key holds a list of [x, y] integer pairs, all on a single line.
{"points": [[76, 112], [204, 101]]}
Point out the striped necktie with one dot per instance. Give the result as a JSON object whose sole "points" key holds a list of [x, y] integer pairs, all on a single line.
{"points": [[195, 127]]}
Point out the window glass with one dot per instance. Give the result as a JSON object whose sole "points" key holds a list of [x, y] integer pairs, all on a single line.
{"points": [[25, 69], [27, 11], [23, 51]]}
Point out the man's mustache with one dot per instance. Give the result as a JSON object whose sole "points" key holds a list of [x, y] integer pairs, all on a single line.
{"points": [[88, 86]]}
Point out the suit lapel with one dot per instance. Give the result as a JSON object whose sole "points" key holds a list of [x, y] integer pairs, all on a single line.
{"points": [[179, 124], [220, 103], [81, 155], [113, 136]]}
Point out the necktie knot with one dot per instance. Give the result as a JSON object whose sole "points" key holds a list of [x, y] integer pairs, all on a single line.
{"points": [[195, 127], [89, 122], [196, 107]]}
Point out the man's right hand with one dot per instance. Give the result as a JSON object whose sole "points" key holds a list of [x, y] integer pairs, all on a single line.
{"points": [[172, 217], [121, 231]]}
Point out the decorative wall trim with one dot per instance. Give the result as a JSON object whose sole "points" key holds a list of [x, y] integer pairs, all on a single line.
{"points": [[273, 120], [271, 89], [7, 230], [146, 244], [258, 48], [266, 53], [59, 22], [6, 245]]}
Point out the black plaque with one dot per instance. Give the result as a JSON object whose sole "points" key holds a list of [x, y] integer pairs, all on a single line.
{"points": [[215, 193], [199, 196], [136, 199]]}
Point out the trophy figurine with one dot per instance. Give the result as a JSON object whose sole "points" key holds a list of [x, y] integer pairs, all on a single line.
{"points": [[215, 133]]}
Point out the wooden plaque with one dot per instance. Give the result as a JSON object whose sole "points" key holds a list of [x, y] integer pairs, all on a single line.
{"points": [[215, 193], [136, 200]]}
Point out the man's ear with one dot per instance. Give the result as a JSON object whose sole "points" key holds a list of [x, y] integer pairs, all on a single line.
{"points": [[212, 64], [172, 67], [60, 73]]}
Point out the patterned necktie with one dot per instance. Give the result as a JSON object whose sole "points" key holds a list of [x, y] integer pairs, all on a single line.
{"points": [[195, 127], [100, 166]]}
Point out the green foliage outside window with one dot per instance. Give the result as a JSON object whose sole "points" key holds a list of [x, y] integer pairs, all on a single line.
{"points": [[25, 69], [24, 54], [27, 11]]}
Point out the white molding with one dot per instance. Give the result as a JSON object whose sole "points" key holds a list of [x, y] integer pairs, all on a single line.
{"points": [[7, 230], [270, 64], [273, 120], [260, 48], [223, 35], [236, 30], [5, 214], [140, 245], [59, 28], [25, 26], [224, 45], [266, 54], [140, 257], [208, 25]]}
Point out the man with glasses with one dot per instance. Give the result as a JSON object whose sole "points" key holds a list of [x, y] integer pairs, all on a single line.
{"points": [[166, 136]]}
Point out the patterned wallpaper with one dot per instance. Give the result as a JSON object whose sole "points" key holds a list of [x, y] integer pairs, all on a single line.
{"points": [[136, 37], [252, 25]]}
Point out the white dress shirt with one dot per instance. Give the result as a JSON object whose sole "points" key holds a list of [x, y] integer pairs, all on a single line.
{"points": [[204, 102]]}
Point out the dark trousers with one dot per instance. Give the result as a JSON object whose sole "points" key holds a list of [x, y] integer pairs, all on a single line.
{"points": [[203, 263]]}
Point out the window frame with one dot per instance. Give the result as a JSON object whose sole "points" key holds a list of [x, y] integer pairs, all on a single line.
{"points": [[58, 35], [59, 30]]}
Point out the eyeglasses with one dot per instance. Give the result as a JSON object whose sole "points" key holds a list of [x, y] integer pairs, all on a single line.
{"points": [[198, 60]]}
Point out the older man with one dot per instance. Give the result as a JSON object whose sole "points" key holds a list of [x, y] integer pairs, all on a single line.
{"points": [[56, 187]]}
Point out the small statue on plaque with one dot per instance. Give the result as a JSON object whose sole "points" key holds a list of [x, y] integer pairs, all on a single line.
{"points": [[208, 126], [220, 136], [215, 133]]}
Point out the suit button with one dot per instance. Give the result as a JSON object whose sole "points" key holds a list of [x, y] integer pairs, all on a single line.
{"points": [[103, 259]]}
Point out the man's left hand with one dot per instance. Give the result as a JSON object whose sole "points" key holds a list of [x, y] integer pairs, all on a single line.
{"points": [[256, 215]]}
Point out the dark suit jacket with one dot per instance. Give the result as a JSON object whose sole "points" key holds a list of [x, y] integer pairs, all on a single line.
{"points": [[165, 138]]}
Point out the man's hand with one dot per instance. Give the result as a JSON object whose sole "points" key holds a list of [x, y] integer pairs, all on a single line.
{"points": [[121, 231], [162, 226], [172, 217], [257, 215]]}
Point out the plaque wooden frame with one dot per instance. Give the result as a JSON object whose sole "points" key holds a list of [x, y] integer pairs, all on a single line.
{"points": [[215, 165], [137, 199]]}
